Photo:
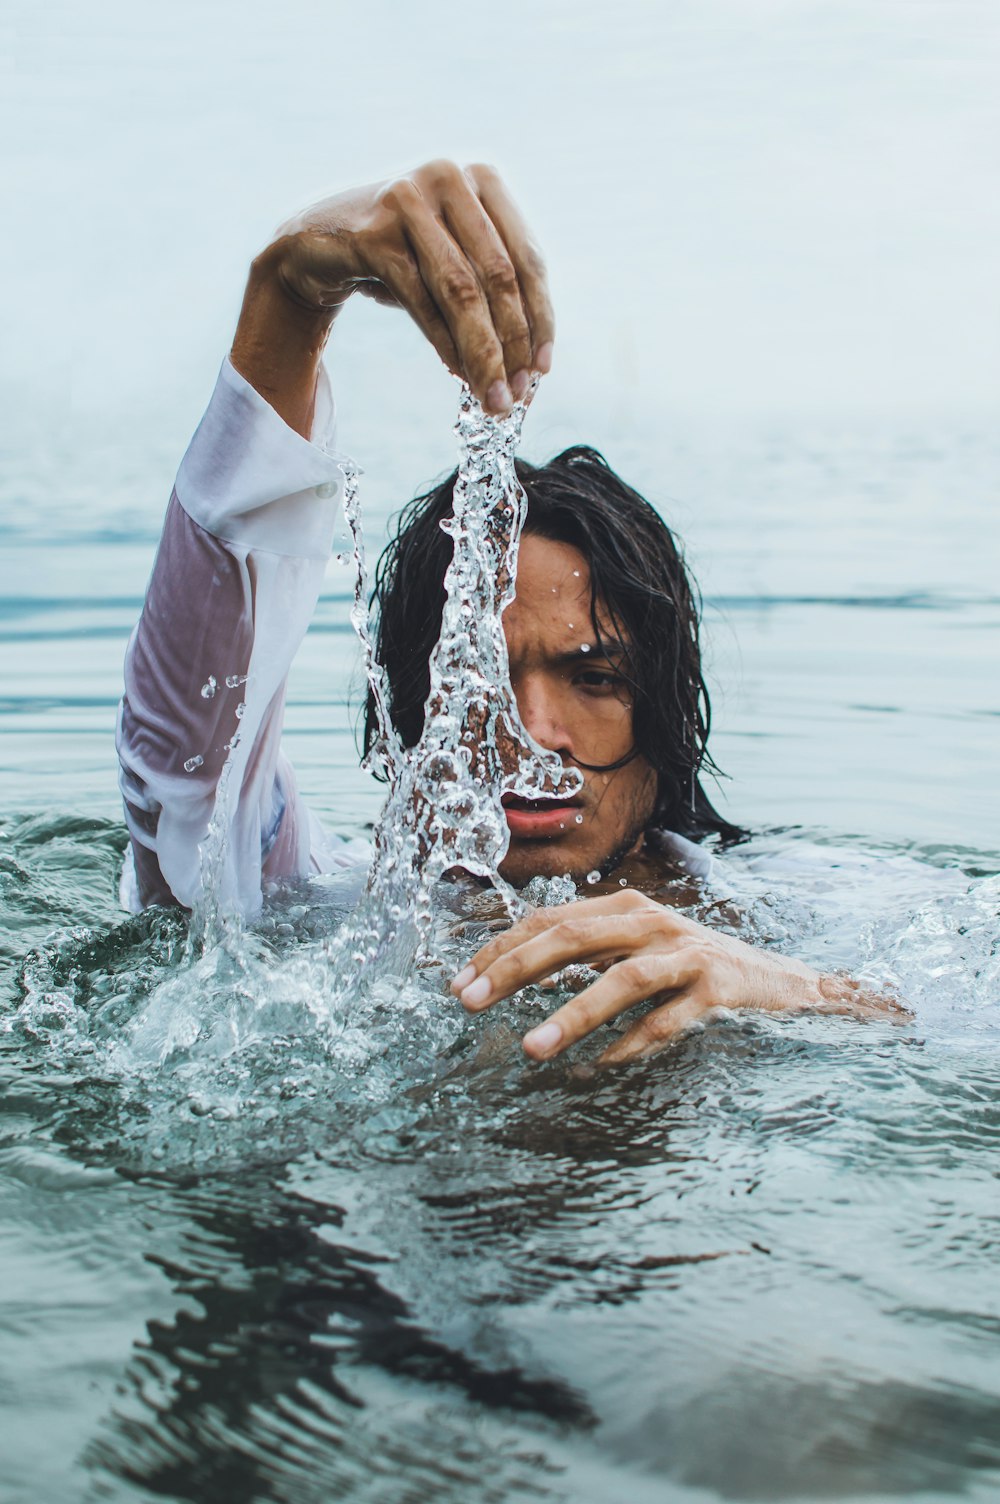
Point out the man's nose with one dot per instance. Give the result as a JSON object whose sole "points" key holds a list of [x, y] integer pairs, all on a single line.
{"points": [[539, 712]]}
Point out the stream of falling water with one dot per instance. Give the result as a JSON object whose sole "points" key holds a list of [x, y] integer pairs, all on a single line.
{"points": [[444, 808]]}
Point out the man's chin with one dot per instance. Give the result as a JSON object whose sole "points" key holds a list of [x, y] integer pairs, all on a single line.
{"points": [[528, 859]]}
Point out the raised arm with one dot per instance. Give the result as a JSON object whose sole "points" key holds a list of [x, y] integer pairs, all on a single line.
{"points": [[250, 524]]}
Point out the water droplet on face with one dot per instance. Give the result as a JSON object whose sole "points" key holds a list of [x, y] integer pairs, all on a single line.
{"points": [[623, 882], [208, 688], [192, 763], [562, 825], [585, 647], [593, 877], [233, 681], [578, 819], [241, 707]]}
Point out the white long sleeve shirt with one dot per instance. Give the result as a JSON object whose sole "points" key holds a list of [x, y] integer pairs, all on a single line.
{"points": [[246, 539]]}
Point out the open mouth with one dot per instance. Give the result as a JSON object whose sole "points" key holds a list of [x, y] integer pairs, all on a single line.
{"points": [[514, 801]]}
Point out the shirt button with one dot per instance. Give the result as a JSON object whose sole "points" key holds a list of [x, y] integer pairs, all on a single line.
{"points": [[327, 489]]}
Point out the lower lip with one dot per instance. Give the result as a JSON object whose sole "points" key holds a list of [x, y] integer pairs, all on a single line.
{"points": [[541, 822]]}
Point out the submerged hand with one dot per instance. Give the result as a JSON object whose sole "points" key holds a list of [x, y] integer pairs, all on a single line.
{"points": [[651, 953]]}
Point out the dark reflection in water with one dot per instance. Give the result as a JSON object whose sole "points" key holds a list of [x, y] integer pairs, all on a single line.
{"points": [[285, 1317], [297, 1343]]}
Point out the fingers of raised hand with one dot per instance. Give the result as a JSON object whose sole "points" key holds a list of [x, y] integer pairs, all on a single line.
{"points": [[479, 269], [452, 282], [524, 255], [477, 235]]}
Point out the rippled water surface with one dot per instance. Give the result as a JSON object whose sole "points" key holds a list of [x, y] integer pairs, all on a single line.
{"points": [[262, 1242], [255, 1246], [267, 1250]]}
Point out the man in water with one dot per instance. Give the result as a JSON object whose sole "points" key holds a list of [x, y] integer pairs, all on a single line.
{"points": [[602, 633]]}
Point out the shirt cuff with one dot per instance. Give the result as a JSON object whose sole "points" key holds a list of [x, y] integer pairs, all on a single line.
{"points": [[250, 480]]}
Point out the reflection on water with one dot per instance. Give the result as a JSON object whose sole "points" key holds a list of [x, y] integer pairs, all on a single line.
{"points": [[386, 1258]]}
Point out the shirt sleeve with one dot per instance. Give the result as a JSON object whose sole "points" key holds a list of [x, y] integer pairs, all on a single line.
{"points": [[248, 531]]}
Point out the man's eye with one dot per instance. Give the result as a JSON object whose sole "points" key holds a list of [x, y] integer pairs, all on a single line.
{"points": [[598, 679]]}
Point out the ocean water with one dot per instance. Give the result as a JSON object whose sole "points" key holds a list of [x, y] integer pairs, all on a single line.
{"points": [[256, 1248]]}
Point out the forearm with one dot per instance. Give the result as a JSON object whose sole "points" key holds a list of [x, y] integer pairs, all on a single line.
{"points": [[279, 340]]}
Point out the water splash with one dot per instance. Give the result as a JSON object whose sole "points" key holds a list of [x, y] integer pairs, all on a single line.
{"points": [[444, 808], [216, 919], [386, 752]]}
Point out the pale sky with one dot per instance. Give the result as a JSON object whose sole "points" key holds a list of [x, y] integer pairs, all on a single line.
{"points": [[747, 205]]}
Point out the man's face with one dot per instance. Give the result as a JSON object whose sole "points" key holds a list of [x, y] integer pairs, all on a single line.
{"points": [[572, 702]]}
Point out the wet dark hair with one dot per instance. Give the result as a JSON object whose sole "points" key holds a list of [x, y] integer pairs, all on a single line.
{"points": [[639, 585]]}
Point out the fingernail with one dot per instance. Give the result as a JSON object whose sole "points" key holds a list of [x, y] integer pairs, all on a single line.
{"points": [[543, 1040], [543, 358], [519, 384], [463, 979], [498, 398], [477, 992]]}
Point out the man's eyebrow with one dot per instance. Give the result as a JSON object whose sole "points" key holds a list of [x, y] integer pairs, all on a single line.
{"points": [[601, 652]]}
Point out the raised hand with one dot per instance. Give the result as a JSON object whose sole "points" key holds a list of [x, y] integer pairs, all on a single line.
{"points": [[447, 244]]}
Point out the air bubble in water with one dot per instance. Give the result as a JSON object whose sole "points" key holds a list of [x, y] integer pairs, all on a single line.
{"points": [[208, 688], [192, 763], [593, 877]]}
